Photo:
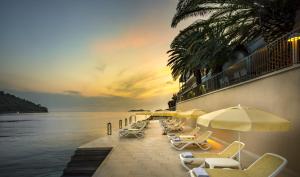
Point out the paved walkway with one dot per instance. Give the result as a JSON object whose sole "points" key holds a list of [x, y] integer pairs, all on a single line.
{"points": [[151, 156]]}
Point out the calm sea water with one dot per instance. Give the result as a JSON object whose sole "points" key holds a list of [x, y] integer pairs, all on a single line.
{"points": [[40, 145]]}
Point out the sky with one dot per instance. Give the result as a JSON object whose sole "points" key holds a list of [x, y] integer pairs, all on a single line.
{"points": [[88, 55]]}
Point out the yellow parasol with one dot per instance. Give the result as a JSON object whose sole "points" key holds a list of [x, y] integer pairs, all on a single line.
{"points": [[143, 113], [194, 114], [164, 113], [140, 113], [243, 119]]}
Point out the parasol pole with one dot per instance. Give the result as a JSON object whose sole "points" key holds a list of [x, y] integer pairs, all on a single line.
{"points": [[239, 138]]}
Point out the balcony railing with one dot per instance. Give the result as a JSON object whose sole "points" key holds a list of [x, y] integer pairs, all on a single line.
{"points": [[282, 53]]}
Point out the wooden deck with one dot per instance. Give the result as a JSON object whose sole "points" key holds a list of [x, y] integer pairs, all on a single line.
{"points": [[151, 156]]}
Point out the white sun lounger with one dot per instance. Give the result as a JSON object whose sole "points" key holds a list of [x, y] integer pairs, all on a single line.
{"points": [[199, 140], [192, 160], [175, 128], [137, 132], [192, 133]]}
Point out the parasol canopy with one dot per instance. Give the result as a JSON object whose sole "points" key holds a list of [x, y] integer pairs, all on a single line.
{"points": [[164, 113], [243, 119], [192, 114]]}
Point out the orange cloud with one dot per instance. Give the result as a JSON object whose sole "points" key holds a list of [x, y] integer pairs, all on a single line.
{"points": [[143, 85], [136, 39]]}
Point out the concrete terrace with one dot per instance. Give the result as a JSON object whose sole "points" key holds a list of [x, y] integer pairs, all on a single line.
{"points": [[130, 157]]}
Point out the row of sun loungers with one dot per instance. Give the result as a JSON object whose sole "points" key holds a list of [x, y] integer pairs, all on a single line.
{"points": [[268, 165], [136, 129]]}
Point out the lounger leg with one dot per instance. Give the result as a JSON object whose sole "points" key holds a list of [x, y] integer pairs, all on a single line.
{"points": [[180, 148], [204, 146], [184, 165], [175, 146], [139, 136]]}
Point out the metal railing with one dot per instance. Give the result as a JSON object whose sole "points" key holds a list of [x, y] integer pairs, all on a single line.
{"points": [[282, 53]]}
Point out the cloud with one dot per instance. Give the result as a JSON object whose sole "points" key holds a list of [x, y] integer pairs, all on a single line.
{"points": [[150, 30], [122, 42], [4, 84], [72, 92], [122, 71], [137, 58], [131, 86], [142, 84], [101, 68]]}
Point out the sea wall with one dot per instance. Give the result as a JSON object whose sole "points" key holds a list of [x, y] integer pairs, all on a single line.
{"points": [[278, 93]]}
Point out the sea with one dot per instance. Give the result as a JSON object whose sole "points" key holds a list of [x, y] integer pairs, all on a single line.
{"points": [[41, 144]]}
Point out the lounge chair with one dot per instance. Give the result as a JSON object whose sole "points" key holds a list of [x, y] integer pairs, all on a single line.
{"points": [[137, 132], [180, 135], [268, 165], [192, 160], [170, 123], [199, 140], [169, 120], [147, 122], [139, 124], [173, 124], [174, 128]]}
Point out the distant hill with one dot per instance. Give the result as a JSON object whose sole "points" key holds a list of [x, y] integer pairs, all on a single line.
{"points": [[12, 104]]}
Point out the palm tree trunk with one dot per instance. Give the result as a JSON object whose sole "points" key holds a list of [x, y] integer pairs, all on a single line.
{"points": [[198, 76]]}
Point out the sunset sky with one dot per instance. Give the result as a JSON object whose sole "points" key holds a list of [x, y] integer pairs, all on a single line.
{"points": [[88, 54]]}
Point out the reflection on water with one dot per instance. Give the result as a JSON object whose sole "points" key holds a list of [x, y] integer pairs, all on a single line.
{"points": [[41, 144]]}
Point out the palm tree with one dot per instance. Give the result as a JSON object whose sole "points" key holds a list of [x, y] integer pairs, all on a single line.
{"points": [[197, 48], [269, 18], [227, 24]]}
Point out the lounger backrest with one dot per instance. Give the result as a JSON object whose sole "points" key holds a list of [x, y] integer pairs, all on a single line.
{"points": [[268, 165], [139, 125], [233, 149], [177, 124], [181, 123], [203, 136], [144, 124], [171, 120], [195, 131], [134, 125]]}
